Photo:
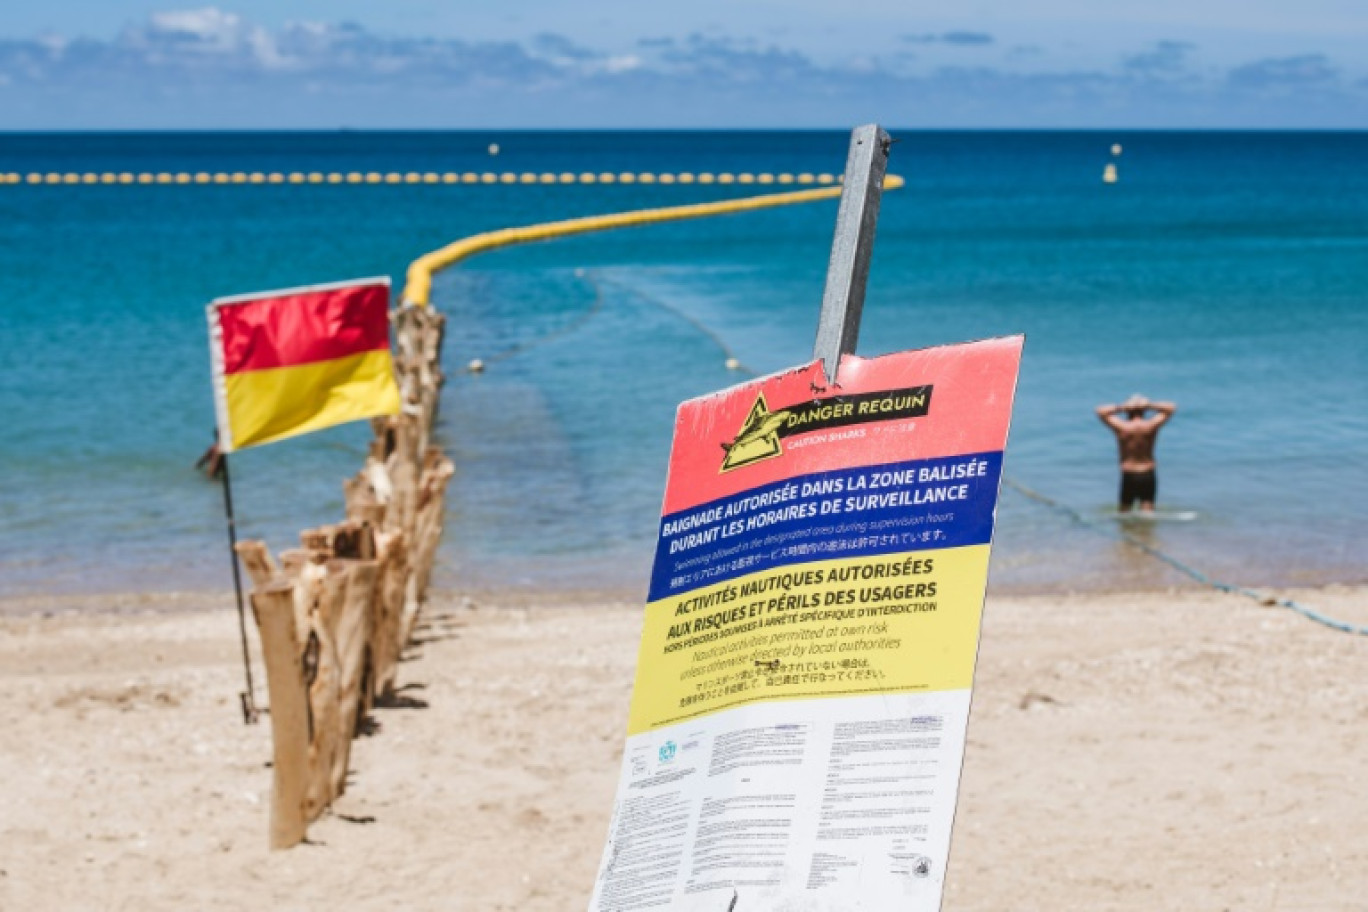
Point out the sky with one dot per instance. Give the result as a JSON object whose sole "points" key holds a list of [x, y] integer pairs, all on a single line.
{"points": [[107, 64]]}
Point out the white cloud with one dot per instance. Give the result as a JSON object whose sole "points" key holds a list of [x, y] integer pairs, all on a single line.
{"points": [[209, 63]]}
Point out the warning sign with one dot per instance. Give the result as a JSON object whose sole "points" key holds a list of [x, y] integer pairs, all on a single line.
{"points": [[798, 720]]}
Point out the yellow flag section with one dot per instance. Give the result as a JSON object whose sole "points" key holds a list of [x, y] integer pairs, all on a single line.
{"points": [[270, 405], [802, 694], [887, 624], [298, 360]]}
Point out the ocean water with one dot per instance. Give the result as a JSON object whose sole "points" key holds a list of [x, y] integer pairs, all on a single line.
{"points": [[1225, 271]]}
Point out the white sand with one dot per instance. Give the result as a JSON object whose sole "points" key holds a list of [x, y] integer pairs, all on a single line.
{"points": [[1155, 751]]}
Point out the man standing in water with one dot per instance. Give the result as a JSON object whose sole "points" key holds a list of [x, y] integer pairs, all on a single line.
{"points": [[1135, 436]]}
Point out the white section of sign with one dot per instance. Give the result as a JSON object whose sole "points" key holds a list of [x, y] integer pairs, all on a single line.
{"points": [[841, 803]]}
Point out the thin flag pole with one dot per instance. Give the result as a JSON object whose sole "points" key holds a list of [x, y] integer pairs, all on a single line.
{"points": [[249, 710]]}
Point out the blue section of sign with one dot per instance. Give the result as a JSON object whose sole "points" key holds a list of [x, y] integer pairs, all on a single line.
{"points": [[901, 506]]}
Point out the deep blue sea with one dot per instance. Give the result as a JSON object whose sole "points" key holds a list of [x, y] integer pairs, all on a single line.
{"points": [[1225, 271]]}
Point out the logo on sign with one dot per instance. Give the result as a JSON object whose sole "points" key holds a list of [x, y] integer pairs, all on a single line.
{"points": [[759, 436], [667, 751]]}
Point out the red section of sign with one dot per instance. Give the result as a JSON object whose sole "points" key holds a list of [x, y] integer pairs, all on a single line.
{"points": [[304, 328], [971, 404]]}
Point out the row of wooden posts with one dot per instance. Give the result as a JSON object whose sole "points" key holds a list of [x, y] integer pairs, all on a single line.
{"points": [[335, 614]]}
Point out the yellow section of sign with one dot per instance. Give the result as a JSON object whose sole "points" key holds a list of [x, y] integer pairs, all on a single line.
{"points": [[896, 623]]}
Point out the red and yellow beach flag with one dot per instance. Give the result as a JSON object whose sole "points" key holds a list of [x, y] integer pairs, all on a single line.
{"points": [[298, 360]]}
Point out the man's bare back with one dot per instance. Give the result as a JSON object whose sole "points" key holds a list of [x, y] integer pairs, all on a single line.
{"points": [[1136, 432]]}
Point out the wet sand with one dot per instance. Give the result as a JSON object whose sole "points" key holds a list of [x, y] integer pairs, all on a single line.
{"points": [[1173, 750]]}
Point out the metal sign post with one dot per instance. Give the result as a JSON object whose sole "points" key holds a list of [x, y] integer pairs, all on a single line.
{"points": [[838, 329]]}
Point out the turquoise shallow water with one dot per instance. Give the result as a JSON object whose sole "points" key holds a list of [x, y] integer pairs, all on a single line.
{"points": [[1228, 272]]}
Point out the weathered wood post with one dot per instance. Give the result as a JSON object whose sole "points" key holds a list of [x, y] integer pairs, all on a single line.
{"points": [[273, 606], [351, 635]]}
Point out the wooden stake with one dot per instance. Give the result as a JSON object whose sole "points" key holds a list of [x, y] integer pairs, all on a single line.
{"points": [[257, 559], [324, 686], [352, 634], [273, 608], [391, 590]]}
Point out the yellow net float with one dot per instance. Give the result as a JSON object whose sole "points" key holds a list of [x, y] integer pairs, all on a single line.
{"points": [[428, 177]]}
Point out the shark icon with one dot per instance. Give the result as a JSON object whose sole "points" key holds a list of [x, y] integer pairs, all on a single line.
{"points": [[758, 438]]}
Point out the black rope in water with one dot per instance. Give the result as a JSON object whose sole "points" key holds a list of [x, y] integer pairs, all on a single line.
{"points": [[1180, 566], [574, 325], [734, 363]]}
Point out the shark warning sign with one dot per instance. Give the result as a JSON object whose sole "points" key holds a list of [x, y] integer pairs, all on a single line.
{"points": [[802, 693]]}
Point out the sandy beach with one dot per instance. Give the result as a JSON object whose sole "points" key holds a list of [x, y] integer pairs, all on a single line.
{"points": [[1164, 750]]}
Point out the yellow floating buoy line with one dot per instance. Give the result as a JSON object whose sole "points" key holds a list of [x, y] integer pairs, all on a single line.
{"points": [[418, 287], [409, 177]]}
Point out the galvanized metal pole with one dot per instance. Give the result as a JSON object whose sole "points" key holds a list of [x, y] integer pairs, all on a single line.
{"points": [[848, 271]]}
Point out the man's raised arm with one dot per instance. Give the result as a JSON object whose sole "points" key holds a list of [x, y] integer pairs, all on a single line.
{"points": [[1108, 415], [1163, 412]]}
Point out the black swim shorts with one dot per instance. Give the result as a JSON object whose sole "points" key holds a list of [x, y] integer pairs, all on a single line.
{"points": [[1141, 486]]}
